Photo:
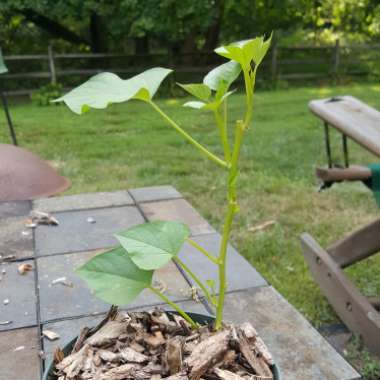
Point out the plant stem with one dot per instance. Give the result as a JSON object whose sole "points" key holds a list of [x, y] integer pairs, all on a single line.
{"points": [[221, 123], [249, 97], [196, 279], [231, 211], [199, 146], [202, 250], [174, 306]]}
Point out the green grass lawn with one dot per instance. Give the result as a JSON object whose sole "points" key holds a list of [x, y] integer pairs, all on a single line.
{"points": [[128, 145]]}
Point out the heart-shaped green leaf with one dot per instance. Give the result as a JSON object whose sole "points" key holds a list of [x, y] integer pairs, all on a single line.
{"points": [[3, 68], [106, 88], [224, 74], [114, 277], [199, 90], [152, 245], [246, 51]]}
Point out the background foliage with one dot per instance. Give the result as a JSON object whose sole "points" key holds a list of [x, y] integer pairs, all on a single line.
{"points": [[186, 26]]}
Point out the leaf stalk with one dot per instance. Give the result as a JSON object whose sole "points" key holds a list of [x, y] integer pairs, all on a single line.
{"points": [[192, 141]]}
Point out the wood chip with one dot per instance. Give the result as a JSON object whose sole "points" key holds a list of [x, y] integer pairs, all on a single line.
{"points": [[207, 353], [108, 356], [19, 348], [226, 375], [155, 340], [51, 335], [58, 355], [249, 331], [155, 346], [24, 268], [174, 354], [73, 364], [40, 217], [107, 334], [262, 349], [120, 373], [262, 226], [63, 281], [258, 364], [131, 356]]}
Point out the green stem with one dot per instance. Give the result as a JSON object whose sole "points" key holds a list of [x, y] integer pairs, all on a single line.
{"points": [[231, 211], [249, 97], [200, 147], [174, 306], [202, 250], [196, 279], [221, 123]]}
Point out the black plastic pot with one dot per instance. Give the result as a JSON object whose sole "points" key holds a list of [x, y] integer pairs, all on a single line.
{"points": [[199, 318]]}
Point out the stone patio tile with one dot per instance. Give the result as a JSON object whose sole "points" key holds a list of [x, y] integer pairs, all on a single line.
{"points": [[76, 233], [20, 291], [8, 209], [23, 364], [240, 273], [68, 329], [299, 350], [59, 301], [83, 201], [15, 238], [179, 210], [154, 193]]}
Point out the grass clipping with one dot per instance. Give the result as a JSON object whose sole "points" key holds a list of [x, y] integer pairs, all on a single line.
{"points": [[158, 345]]}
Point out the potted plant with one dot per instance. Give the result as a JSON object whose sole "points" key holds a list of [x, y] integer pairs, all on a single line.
{"points": [[117, 276]]}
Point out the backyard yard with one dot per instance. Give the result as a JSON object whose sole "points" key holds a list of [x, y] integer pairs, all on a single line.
{"points": [[128, 145]]}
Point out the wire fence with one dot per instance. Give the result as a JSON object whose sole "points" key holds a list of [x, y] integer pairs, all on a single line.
{"points": [[298, 63]]}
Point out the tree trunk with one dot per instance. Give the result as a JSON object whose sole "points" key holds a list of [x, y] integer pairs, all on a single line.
{"points": [[141, 45], [98, 35], [212, 34]]}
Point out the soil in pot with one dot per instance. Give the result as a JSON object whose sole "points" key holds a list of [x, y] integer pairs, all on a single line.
{"points": [[161, 345]]}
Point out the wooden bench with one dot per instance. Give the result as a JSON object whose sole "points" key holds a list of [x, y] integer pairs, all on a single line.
{"points": [[361, 123]]}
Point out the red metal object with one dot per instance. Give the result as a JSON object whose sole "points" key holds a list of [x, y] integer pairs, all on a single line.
{"points": [[23, 175]]}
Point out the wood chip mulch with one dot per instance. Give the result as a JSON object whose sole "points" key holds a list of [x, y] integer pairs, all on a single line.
{"points": [[158, 345]]}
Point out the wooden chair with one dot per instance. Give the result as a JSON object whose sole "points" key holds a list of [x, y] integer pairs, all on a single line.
{"points": [[355, 120]]}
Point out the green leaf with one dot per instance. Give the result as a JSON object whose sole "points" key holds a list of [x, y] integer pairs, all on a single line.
{"points": [[226, 95], [224, 75], [195, 104], [199, 90], [3, 68], [244, 52], [152, 245], [114, 277], [106, 88]]}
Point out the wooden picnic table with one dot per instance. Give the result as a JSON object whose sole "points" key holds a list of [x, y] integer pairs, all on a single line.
{"points": [[352, 118]]}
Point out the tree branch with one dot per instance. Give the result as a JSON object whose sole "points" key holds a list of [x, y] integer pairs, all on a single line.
{"points": [[53, 27]]}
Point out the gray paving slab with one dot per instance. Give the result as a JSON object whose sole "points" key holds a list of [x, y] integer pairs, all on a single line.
{"points": [[178, 210], [15, 239], [299, 350], [59, 301], [19, 290], [240, 273], [19, 358], [8, 209], [83, 201], [154, 193], [76, 233], [68, 329]]}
